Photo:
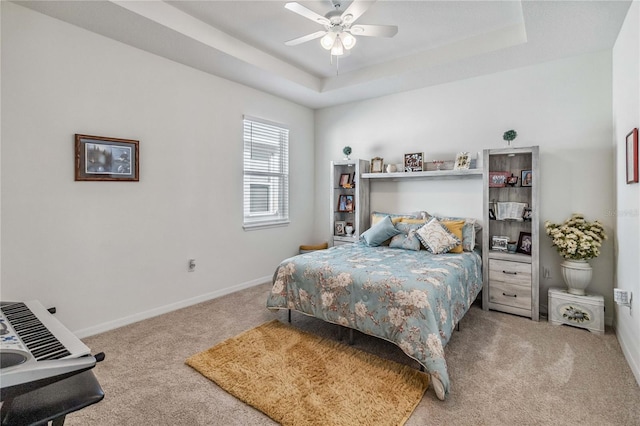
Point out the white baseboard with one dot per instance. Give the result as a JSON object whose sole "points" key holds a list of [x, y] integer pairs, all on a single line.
{"points": [[623, 338], [110, 325]]}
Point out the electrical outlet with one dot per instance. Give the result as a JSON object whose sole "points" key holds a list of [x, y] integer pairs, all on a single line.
{"points": [[192, 265]]}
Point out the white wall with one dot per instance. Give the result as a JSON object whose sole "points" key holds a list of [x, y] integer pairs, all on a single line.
{"points": [[626, 116], [109, 253], [563, 106]]}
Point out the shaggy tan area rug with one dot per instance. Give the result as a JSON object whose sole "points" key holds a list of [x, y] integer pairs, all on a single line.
{"points": [[297, 378]]}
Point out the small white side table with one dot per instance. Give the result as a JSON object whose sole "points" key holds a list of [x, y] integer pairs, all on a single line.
{"points": [[579, 311]]}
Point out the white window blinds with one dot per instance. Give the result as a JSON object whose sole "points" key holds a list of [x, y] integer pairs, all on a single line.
{"points": [[266, 173]]}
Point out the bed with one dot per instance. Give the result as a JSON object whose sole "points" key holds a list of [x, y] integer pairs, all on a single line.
{"points": [[412, 298]]}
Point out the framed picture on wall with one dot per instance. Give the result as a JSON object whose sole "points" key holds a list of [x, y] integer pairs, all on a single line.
{"points": [[108, 159], [413, 162], [632, 156]]}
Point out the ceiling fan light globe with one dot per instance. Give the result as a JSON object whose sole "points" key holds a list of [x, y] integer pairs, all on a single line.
{"points": [[328, 41], [338, 48], [348, 41]]}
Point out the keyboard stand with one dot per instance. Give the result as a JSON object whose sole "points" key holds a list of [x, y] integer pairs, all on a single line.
{"points": [[52, 402]]}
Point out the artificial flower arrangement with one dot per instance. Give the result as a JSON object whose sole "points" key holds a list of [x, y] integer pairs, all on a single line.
{"points": [[576, 239]]}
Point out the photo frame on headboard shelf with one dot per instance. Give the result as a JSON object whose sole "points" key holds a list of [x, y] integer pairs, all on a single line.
{"points": [[376, 165], [463, 161], [414, 162], [632, 156]]}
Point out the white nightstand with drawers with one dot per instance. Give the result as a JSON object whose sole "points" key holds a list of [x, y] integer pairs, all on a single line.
{"points": [[579, 311]]}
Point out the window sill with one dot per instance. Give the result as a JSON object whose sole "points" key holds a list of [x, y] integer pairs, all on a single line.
{"points": [[264, 225]]}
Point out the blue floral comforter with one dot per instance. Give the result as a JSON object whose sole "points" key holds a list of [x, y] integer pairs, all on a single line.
{"points": [[411, 298]]}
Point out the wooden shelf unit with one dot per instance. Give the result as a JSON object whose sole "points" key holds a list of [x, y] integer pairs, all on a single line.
{"points": [[511, 280]]}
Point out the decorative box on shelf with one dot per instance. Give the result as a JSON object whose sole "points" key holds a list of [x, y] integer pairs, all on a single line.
{"points": [[579, 311]]}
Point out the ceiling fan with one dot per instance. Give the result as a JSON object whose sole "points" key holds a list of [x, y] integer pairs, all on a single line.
{"points": [[339, 26]]}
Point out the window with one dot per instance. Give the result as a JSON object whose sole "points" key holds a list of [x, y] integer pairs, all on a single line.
{"points": [[266, 173]]}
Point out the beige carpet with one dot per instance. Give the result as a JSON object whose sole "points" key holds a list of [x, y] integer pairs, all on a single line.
{"points": [[505, 370], [298, 378]]}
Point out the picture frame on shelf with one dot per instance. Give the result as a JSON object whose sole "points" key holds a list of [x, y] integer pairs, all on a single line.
{"points": [[345, 180], [525, 243], [498, 179], [377, 165], [512, 180], [339, 227], [346, 203], [527, 214], [463, 161], [99, 158], [526, 178], [632, 156], [499, 243], [414, 162]]}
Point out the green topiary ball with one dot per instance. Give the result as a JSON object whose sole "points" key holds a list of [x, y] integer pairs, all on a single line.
{"points": [[509, 135], [346, 150]]}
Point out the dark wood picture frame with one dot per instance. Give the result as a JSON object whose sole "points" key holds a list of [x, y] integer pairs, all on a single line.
{"points": [[99, 158], [414, 162], [632, 156], [526, 177], [346, 203], [525, 243], [345, 180]]}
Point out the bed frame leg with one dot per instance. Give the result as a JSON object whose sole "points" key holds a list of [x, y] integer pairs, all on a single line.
{"points": [[289, 315], [351, 336], [458, 327]]}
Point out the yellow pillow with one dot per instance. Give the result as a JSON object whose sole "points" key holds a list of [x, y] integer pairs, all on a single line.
{"points": [[395, 218], [455, 226], [412, 220]]}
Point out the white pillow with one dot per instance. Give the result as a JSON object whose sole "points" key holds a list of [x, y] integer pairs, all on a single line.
{"points": [[436, 237]]}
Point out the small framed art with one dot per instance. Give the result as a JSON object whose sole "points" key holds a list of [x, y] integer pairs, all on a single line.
{"points": [[345, 180], [525, 243], [499, 243], [345, 203], [632, 156], [413, 162], [463, 161], [498, 179], [376, 165], [526, 177], [107, 159], [339, 227]]}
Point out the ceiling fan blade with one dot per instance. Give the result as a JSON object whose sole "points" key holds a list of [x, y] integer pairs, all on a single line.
{"points": [[355, 10], [306, 38], [307, 13], [374, 30]]}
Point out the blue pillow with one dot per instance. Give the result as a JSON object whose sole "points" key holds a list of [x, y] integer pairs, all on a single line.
{"points": [[380, 232], [407, 239]]}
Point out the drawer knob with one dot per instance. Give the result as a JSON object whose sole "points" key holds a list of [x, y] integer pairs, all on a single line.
{"points": [[509, 295], [510, 273]]}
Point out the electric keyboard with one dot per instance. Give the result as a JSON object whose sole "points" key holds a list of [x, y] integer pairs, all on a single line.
{"points": [[36, 349]]}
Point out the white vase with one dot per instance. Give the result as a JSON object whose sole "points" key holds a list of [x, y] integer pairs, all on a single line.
{"points": [[576, 275], [349, 230]]}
